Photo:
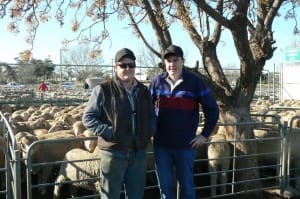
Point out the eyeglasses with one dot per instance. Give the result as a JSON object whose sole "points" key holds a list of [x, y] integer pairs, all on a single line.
{"points": [[125, 65]]}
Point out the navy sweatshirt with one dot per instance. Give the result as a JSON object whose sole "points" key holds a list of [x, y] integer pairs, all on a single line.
{"points": [[178, 110]]}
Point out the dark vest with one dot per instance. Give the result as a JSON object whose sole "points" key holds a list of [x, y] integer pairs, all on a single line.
{"points": [[117, 112]]}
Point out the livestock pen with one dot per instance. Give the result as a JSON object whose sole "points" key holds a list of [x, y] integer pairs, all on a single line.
{"points": [[28, 97], [278, 166], [269, 153]]}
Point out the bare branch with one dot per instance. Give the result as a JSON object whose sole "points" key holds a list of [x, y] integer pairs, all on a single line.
{"points": [[139, 32]]}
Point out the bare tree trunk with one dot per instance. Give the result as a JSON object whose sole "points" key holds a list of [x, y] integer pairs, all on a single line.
{"points": [[239, 130]]}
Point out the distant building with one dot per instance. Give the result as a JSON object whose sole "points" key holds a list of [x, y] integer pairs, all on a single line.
{"points": [[141, 77], [290, 74], [94, 81]]}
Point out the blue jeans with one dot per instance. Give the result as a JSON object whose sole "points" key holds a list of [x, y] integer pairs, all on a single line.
{"points": [[166, 160], [118, 168]]}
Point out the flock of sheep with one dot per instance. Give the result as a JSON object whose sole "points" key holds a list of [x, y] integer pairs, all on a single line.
{"points": [[268, 139], [43, 125], [56, 135]]}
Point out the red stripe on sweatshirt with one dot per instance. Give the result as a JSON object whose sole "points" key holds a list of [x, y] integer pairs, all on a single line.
{"points": [[177, 103]]}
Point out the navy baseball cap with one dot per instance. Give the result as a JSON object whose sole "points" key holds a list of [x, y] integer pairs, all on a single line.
{"points": [[173, 50], [122, 53]]}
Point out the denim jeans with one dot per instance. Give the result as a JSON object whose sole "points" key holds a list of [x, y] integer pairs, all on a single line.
{"points": [[118, 168], [182, 162]]}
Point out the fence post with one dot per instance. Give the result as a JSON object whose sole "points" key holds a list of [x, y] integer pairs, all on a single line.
{"points": [[14, 161], [178, 190], [285, 158]]}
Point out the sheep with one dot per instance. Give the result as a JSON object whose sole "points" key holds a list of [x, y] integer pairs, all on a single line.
{"points": [[25, 115], [46, 115], [57, 134], [29, 126], [67, 119], [16, 116], [53, 110], [47, 152], [81, 170], [21, 134], [57, 125], [20, 127], [78, 128], [218, 153], [32, 109], [35, 115], [44, 106], [29, 138], [40, 123], [268, 150], [39, 132], [90, 144]]}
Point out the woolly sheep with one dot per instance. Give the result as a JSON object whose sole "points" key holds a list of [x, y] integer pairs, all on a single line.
{"points": [[39, 123], [44, 106], [67, 119], [39, 132], [219, 159], [271, 148], [90, 144], [35, 115], [56, 126], [56, 135], [53, 110], [16, 116], [20, 127], [78, 128], [19, 136], [47, 152], [82, 170]]}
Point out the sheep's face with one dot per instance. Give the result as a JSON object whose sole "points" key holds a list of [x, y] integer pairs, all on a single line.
{"points": [[90, 145], [25, 143]]}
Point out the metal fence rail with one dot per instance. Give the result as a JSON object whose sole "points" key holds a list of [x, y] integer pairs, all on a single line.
{"points": [[13, 160]]}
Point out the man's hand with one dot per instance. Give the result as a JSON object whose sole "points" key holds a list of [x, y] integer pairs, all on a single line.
{"points": [[198, 141]]}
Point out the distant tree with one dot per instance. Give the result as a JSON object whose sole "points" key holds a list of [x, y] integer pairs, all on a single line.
{"points": [[80, 62], [148, 62], [43, 69], [151, 72], [26, 73], [9, 73]]}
